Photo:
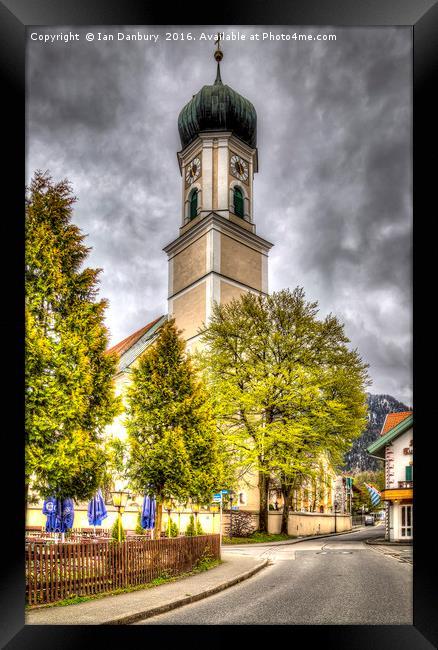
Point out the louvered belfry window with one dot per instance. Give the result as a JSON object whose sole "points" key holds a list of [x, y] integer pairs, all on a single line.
{"points": [[238, 202], [194, 204]]}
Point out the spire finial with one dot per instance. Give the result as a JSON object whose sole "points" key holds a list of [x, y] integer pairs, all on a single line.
{"points": [[218, 55]]}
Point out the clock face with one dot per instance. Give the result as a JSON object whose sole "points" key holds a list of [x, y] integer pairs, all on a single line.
{"points": [[239, 168], [193, 171]]}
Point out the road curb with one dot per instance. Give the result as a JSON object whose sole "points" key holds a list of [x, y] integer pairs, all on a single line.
{"points": [[383, 542], [292, 541], [161, 609]]}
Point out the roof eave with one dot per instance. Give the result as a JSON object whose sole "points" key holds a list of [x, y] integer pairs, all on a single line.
{"points": [[390, 435]]}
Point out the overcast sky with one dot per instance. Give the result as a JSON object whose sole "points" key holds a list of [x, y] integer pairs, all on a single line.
{"points": [[333, 192]]}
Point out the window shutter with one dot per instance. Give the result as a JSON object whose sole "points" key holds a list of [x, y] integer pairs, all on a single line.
{"points": [[409, 473], [238, 202], [194, 204]]}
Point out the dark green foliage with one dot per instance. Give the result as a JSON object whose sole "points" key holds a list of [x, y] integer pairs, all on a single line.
{"points": [[174, 448], [69, 376]]}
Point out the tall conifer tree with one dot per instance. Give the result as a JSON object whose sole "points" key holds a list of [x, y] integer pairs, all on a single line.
{"points": [[172, 434], [69, 377]]}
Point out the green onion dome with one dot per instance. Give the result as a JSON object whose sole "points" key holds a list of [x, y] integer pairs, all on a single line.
{"points": [[218, 108]]}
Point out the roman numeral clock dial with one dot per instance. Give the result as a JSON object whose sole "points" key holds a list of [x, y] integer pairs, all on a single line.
{"points": [[193, 171], [239, 168]]}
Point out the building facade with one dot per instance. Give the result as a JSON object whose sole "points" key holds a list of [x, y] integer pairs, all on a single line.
{"points": [[396, 447]]}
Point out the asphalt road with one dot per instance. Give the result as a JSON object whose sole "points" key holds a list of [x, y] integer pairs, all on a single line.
{"points": [[331, 581]]}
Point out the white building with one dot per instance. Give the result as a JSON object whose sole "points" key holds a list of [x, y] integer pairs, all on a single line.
{"points": [[396, 447]]}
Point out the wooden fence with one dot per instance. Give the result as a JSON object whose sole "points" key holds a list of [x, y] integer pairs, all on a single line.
{"points": [[58, 571]]}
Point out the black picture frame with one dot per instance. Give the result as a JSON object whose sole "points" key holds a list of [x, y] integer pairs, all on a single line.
{"points": [[15, 16]]}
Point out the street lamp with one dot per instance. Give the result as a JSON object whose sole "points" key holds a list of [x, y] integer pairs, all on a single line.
{"points": [[336, 509], [120, 499]]}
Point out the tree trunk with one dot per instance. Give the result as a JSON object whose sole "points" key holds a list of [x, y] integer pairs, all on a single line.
{"points": [[286, 491], [26, 499], [264, 498], [158, 520]]}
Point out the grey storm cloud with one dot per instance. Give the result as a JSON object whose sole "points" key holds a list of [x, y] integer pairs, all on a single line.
{"points": [[334, 188]]}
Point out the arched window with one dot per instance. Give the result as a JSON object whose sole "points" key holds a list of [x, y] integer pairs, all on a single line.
{"points": [[194, 204], [238, 201]]}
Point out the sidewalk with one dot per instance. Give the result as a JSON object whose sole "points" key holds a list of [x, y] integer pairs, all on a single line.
{"points": [[130, 607]]}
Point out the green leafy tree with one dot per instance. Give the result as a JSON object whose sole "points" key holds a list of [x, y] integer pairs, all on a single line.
{"points": [[174, 442], [288, 389], [69, 376]]}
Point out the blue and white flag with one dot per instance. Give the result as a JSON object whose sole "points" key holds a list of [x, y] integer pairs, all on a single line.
{"points": [[374, 494]]}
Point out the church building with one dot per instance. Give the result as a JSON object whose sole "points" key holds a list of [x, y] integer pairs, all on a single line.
{"points": [[217, 255]]}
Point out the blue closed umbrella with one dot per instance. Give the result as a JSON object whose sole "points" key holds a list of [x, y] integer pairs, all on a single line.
{"points": [[148, 512], [52, 509], [96, 509], [60, 514]]}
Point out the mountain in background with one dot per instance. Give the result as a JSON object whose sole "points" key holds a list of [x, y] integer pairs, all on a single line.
{"points": [[378, 406]]}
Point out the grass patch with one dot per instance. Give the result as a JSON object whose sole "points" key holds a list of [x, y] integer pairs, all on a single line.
{"points": [[257, 538], [203, 564]]}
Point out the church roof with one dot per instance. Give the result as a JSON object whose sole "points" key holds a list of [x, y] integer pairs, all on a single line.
{"points": [[133, 345], [218, 108]]}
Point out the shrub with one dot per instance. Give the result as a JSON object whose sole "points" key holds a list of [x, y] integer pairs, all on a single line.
{"points": [[115, 531], [138, 529], [199, 529], [206, 560], [191, 529], [174, 530]]}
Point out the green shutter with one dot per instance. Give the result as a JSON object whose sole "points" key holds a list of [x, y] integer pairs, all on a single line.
{"points": [[409, 473], [194, 204], [238, 202]]}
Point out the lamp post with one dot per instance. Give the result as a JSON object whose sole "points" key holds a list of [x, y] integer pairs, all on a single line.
{"points": [[168, 505], [180, 508], [231, 512], [336, 509], [214, 508], [195, 510], [120, 499]]}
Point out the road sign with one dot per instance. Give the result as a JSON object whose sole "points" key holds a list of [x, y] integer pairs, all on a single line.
{"points": [[217, 498]]}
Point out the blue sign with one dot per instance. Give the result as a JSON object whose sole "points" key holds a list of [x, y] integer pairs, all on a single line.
{"points": [[217, 497]]}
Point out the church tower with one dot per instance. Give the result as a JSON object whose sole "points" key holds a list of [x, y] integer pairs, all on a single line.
{"points": [[217, 255]]}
